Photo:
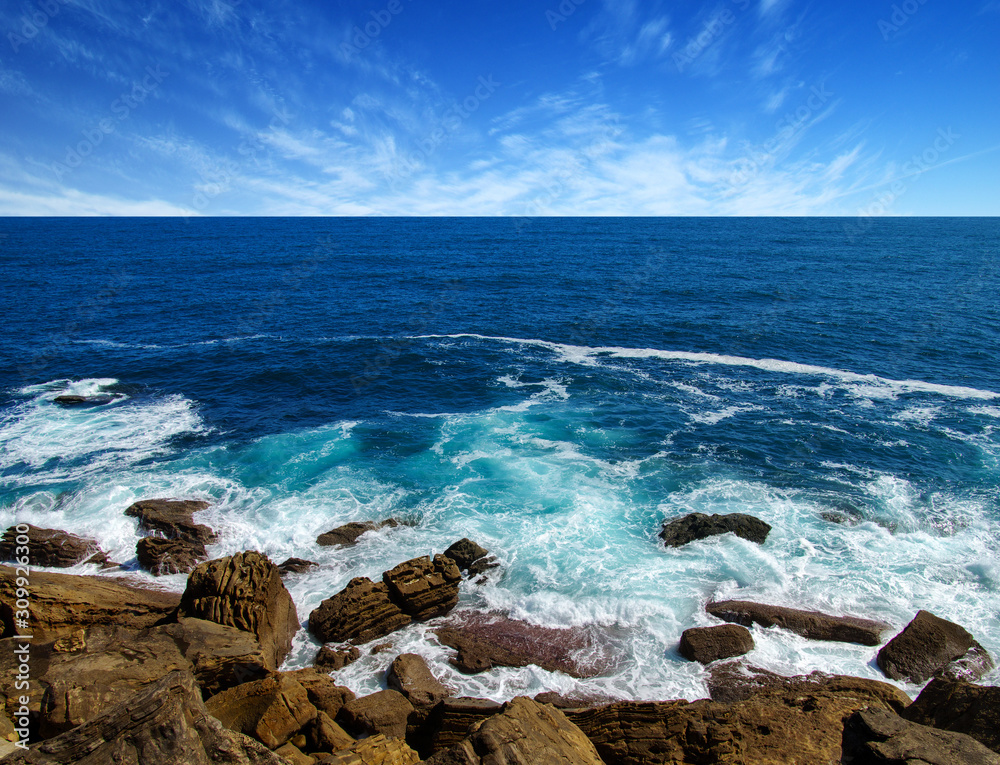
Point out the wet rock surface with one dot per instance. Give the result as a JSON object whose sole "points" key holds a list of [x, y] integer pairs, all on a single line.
{"points": [[51, 547], [708, 644], [809, 624], [930, 647], [690, 528], [349, 533]]}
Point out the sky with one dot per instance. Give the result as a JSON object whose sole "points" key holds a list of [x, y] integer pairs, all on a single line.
{"points": [[483, 107]]}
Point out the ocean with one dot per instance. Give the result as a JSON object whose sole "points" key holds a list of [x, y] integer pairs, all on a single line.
{"points": [[551, 388]]}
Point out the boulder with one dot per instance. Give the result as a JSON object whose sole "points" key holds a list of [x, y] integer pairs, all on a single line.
{"points": [[708, 644], [694, 526], [292, 755], [51, 547], [361, 612], [172, 519], [424, 588], [930, 646], [376, 750], [324, 735], [221, 656], [410, 675], [348, 534], [71, 399], [162, 557], [296, 566], [876, 736], [386, 712], [271, 710], [809, 624], [962, 707], [524, 732], [62, 603], [332, 658], [244, 591], [471, 558], [165, 723], [449, 721], [323, 691]]}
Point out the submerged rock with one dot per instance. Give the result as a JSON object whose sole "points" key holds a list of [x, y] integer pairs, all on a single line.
{"points": [[71, 399], [296, 566], [348, 534], [809, 624], [695, 526], [933, 647], [51, 547], [878, 736], [708, 644]]}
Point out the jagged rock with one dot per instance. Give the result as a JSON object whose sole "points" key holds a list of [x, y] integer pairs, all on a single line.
{"points": [[708, 644], [876, 736], [930, 646], [172, 518], [296, 566], [424, 588], [244, 591], [377, 750], [162, 557], [51, 547], [323, 691], [524, 732], [449, 721], [165, 723], [360, 612], [324, 735], [348, 533], [800, 721], [221, 656], [471, 557], [694, 526], [385, 712], [332, 658], [809, 624], [271, 710], [71, 399], [62, 603], [960, 707], [410, 675]]}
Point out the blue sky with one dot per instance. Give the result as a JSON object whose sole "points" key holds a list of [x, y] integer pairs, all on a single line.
{"points": [[482, 107]]}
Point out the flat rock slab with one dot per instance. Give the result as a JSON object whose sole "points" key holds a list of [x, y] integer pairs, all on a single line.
{"points": [[708, 644], [410, 675], [386, 712], [930, 646], [878, 736], [695, 526], [809, 624], [172, 518], [348, 534]]}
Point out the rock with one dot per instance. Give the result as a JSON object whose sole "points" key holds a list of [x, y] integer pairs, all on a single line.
{"points": [[296, 566], [877, 736], [734, 681], [62, 603], [484, 641], [471, 558], [165, 723], [244, 591], [324, 735], [332, 658], [348, 533], [360, 612], [424, 588], [449, 722], [809, 624], [69, 399], [377, 750], [323, 691], [960, 707], [385, 712], [162, 557], [930, 646], [696, 526], [410, 675], [525, 732], [572, 701], [293, 755], [271, 710], [172, 518], [51, 547], [708, 644], [221, 656]]}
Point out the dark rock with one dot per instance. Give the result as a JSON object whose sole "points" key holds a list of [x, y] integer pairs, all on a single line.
{"points": [[162, 557], [271, 710], [876, 736], [734, 681], [377, 750], [332, 658], [360, 612], [296, 566], [51, 547], [696, 526], [930, 646], [524, 732], [573, 701], [165, 723], [961, 707], [410, 675], [323, 691], [244, 591], [172, 518], [708, 644], [324, 735], [471, 558], [449, 721], [424, 588], [809, 624], [348, 533], [69, 399], [385, 712]]}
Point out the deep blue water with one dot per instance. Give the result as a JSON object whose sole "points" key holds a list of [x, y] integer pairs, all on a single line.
{"points": [[553, 388]]}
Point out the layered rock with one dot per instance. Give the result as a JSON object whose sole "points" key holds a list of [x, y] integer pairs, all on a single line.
{"points": [[323, 691], [386, 712], [348, 534], [324, 735], [410, 675], [51, 547], [708, 644], [271, 710], [244, 591], [424, 588], [877, 736], [172, 519], [960, 707], [695, 526], [376, 750], [162, 557], [449, 721], [930, 647], [361, 612], [809, 624]]}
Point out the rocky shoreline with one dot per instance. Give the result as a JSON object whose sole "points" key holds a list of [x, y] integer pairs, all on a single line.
{"points": [[120, 673]]}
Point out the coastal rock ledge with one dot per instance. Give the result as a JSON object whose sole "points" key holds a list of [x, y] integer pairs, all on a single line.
{"points": [[809, 624]]}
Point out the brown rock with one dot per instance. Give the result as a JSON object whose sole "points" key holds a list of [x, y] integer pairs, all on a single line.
{"points": [[377, 750], [348, 533], [293, 755], [165, 723], [961, 707], [449, 722], [162, 557], [324, 735], [424, 588], [930, 646], [271, 710], [50, 547], [244, 591], [385, 712], [876, 736], [809, 624], [733, 681], [332, 658], [323, 691], [525, 732], [296, 566], [172, 519], [708, 644], [695, 526], [470, 557], [410, 675], [360, 612], [221, 656]]}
